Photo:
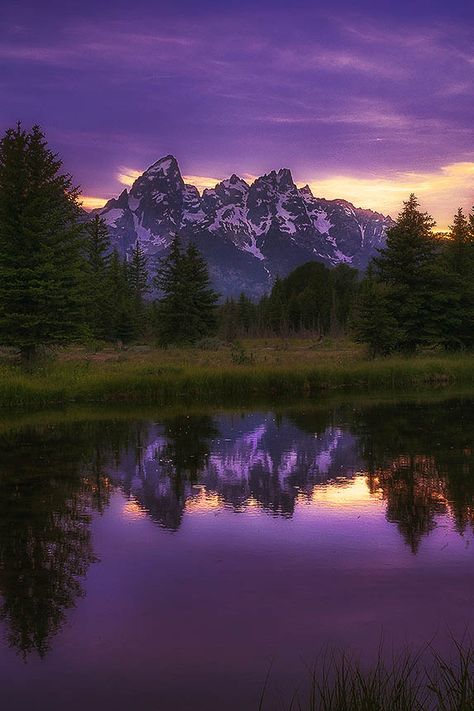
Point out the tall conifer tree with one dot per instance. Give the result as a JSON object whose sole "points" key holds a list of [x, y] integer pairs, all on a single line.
{"points": [[97, 249], [459, 263], [169, 280], [200, 298], [372, 319], [406, 266], [41, 246], [187, 305], [121, 327], [138, 284]]}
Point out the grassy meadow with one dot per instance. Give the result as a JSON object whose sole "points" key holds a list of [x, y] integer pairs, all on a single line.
{"points": [[213, 372]]}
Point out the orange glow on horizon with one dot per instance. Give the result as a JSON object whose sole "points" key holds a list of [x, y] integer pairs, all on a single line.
{"points": [[440, 191], [91, 203]]}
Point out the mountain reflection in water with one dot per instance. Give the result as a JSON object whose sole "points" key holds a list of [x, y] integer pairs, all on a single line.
{"points": [[414, 459]]}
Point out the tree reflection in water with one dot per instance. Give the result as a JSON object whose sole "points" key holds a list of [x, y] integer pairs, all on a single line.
{"points": [[47, 494], [53, 479]]}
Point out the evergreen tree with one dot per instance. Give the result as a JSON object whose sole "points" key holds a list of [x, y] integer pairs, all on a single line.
{"points": [[460, 244], [200, 299], [246, 313], [459, 266], [372, 320], [228, 321], [278, 308], [41, 246], [138, 273], [138, 283], [121, 327], [344, 286], [187, 309], [97, 250], [169, 281], [406, 267], [471, 225]]}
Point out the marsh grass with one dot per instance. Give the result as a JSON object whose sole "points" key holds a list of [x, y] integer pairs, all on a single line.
{"points": [[426, 681], [258, 369]]}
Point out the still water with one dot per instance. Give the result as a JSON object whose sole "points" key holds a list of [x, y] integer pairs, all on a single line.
{"points": [[165, 562]]}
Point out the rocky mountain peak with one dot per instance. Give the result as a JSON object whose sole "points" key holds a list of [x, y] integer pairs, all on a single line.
{"points": [[247, 233], [306, 192], [162, 177], [284, 178], [168, 165]]}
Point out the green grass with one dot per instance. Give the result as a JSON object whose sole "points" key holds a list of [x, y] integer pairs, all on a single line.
{"points": [[270, 369]]}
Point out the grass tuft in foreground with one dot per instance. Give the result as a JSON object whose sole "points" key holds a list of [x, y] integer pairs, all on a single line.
{"points": [[407, 682]]}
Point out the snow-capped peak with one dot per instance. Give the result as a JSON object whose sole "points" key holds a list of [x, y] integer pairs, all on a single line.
{"points": [[166, 165], [248, 233]]}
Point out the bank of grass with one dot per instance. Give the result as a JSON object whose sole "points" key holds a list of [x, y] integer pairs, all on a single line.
{"points": [[271, 369]]}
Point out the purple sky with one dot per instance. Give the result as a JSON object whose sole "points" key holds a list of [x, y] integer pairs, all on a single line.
{"points": [[364, 100]]}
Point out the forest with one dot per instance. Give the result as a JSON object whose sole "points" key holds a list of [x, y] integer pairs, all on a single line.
{"points": [[62, 282]]}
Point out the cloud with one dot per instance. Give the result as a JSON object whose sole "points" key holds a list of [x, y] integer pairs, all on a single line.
{"points": [[91, 203], [305, 59], [364, 112], [440, 191], [201, 182], [457, 89], [127, 176]]}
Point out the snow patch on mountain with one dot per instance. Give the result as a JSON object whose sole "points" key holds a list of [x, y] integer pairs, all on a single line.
{"points": [[322, 223], [113, 215], [247, 233]]}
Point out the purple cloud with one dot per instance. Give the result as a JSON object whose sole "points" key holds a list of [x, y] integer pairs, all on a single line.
{"points": [[239, 89]]}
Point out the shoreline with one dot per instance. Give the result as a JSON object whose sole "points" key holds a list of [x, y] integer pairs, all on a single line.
{"points": [[191, 376]]}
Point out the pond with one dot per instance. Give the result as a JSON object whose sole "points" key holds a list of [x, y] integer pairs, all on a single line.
{"points": [[168, 560]]}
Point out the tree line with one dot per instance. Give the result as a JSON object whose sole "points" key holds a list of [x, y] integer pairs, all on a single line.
{"points": [[61, 281], [419, 291], [312, 300]]}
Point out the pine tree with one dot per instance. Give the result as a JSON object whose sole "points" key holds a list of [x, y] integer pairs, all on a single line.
{"points": [[246, 310], [41, 246], [97, 250], [228, 321], [343, 281], [138, 273], [460, 244], [459, 266], [187, 307], [138, 283], [169, 281], [200, 298], [372, 321], [406, 267], [471, 225], [121, 327], [278, 308]]}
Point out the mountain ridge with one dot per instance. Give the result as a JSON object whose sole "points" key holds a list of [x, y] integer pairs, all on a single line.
{"points": [[248, 233]]}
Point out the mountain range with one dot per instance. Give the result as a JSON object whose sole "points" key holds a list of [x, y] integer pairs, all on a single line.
{"points": [[249, 234]]}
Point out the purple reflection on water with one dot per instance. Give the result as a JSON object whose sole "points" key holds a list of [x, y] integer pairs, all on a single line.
{"points": [[272, 541]]}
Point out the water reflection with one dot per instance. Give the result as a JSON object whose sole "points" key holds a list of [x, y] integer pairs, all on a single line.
{"points": [[46, 500], [420, 458], [241, 460], [417, 458]]}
